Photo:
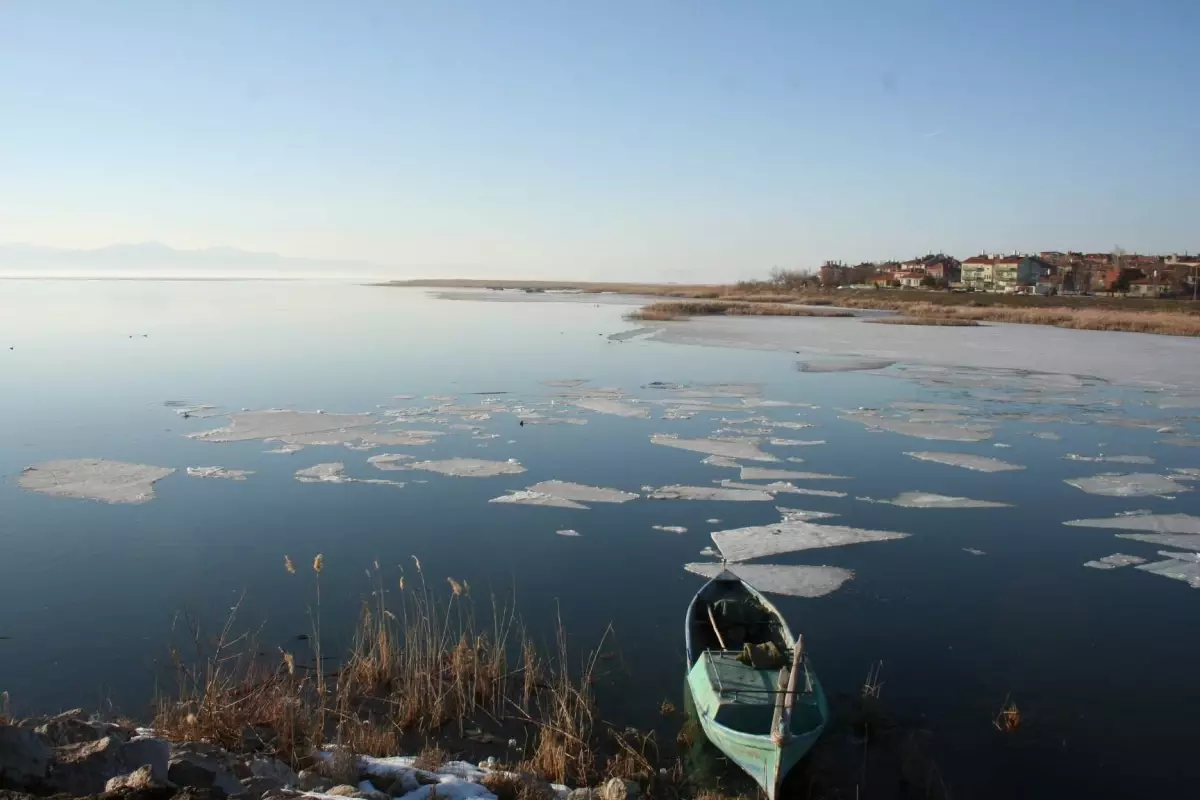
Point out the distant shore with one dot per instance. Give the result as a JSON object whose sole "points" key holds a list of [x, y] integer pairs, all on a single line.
{"points": [[1174, 317]]}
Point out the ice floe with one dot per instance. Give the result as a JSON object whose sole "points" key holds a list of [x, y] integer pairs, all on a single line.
{"points": [[1047, 435], [790, 536], [219, 472], [746, 449], [1182, 441], [677, 492], [388, 461], [764, 474], [583, 493], [1158, 523], [1110, 459], [1186, 571], [469, 467], [934, 431], [278, 423], [1114, 561], [801, 515], [286, 449], [605, 405], [1186, 541], [568, 532], [780, 487], [796, 442], [847, 364], [94, 479], [713, 521], [1138, 484], [526, 497], [792, 581], [966, 461], [721, 461], [974, 551], [669, 528], [931, 500], [335, 472]]}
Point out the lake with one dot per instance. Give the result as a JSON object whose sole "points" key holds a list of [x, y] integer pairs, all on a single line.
{"points": [[1099, 661]]}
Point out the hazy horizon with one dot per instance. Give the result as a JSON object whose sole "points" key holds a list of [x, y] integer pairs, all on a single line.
{"points": [[670, 142]]}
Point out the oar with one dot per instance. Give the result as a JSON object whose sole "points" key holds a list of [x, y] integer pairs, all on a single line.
{"points": [[713, 621]]}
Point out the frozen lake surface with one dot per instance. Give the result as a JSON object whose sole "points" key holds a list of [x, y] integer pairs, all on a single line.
{"points": [[528, 446]]}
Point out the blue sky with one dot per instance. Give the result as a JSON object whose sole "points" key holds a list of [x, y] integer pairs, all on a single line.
{"points": [[660, 140]]}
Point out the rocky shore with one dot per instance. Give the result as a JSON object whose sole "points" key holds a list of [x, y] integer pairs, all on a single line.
{"points": [[76, 755]]}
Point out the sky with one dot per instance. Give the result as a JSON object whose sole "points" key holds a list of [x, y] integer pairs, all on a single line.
{"points": [[661, 140]]}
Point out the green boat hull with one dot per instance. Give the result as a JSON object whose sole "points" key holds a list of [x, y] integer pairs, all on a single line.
{"points": [[756, 754]]}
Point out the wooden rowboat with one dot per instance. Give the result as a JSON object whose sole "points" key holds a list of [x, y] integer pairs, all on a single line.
{"points": [[757, 699]]}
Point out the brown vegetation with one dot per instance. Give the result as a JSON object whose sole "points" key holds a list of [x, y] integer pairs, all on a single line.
{"points": [[692, 308], [936, 321]]}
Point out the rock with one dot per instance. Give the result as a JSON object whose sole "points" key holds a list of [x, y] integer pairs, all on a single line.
{"points": [[256, 738], [255, 788], [140, 778], [382, 783], [369, 795], [203, 772], [86, 768], [343, 790], [617, 789], [74, 727], [24, 758], [582, 794], [312, 781], [273, 769]]}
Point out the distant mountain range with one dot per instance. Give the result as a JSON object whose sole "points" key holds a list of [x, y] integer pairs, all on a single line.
{"points": [[154, 259]]}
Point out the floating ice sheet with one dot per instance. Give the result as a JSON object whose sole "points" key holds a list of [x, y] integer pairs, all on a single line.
{"points": [[1184, 541], [470, 467], [277, 423], [721, 461], [286, 449], [1110, 459], [94, 479], [796, 442], [931, 500], [530, 498], [1114, 561], [801, 515], [908, 405], [1186, 571], [363, 438], [1158, 523], [764, 474], [1138, 484], [784, 487], [966, 461], [790, 536], [388, 461], [605, 405], [335, 472], [934, 431], [568, 532], [974, 551], [677, 492], [669, 528], [1182, 441], [219, 472], [848, 364], [746, 449], [792, 581], [583, 493], [1047, 435]]}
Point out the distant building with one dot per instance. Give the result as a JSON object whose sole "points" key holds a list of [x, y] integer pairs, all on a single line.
{"points": [[1034, 270], [1148, 287], [978, 273], [1006, 270]]}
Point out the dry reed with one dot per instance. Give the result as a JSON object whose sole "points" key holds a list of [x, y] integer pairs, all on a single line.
{"points": [[692, 308], [934, 321]]}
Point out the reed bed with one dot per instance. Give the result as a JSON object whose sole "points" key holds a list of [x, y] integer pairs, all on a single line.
{"points": [[935, 321], [682, 309]]}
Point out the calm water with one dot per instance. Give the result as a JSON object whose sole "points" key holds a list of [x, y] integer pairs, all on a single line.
{"points": [[1101, 663]]}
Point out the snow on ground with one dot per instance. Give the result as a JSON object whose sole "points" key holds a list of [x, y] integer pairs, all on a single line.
{"points": [[94, 479], [793, 581]]}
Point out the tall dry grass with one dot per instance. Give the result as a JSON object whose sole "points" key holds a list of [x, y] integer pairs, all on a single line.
{"points": [[682, 309], [420, 663], [934, 321]]}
